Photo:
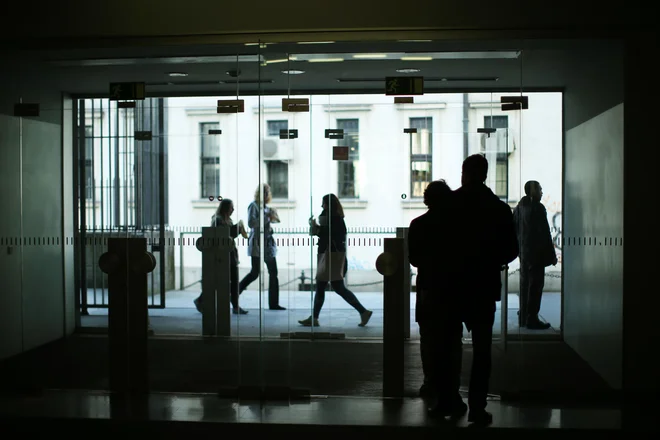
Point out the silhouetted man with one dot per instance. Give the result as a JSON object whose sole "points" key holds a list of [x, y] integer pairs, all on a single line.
{"points": [[487, 243], [536, 253], [431, 250]]}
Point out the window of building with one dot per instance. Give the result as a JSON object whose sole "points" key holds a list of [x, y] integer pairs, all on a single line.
{"points": [[278, 178], [210, 160], [347, 170], [273, 127], [89, 162], [421, 155], [501, 123]]}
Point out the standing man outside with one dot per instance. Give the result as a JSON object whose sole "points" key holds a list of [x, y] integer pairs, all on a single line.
{"points": [[537, 252]]}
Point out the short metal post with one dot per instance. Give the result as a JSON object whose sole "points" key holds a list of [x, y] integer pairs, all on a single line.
{"points": [[215, 245], [403, 233], [390, 265], [127, 264]]}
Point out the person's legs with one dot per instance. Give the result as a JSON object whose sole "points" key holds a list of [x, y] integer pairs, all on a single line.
{"points": [[482, 319], [251, 276], [273, 285], [523, 295], [536, 283], [340, 288], [234, 290], [426, 346], [319, 298], [447, 354]]}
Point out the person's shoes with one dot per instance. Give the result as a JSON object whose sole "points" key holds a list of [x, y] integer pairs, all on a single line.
{"points": [[480, 417], [309, 322], [365, 317], [198, 304], [454, 411], [537, 325], [277, 308], [239, 311]]}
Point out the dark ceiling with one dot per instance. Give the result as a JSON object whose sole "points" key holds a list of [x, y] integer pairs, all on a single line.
{"points": [[456, 65]]}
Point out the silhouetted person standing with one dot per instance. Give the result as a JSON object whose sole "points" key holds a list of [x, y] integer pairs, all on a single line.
{"points": [[487, 243], [431, 244], [537, 251]]}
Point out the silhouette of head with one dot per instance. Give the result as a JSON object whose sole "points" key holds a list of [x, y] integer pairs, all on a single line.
{"points": [[268, 197], [332, 205], [225, 209], [533, 190], [475, 169], [436, 193]]}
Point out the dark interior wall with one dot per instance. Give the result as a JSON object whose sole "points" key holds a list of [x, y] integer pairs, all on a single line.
{"points": [[641, 302], [32, 301], [211, 17], [593, 207]]}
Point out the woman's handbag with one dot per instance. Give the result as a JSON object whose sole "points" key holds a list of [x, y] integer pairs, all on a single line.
{"points": [[331, 266]]}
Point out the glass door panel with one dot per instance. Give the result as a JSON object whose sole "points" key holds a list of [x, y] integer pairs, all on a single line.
{"points": [[540, 130]]}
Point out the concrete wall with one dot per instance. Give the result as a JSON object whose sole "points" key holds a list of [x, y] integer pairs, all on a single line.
{"points": [[31, 257], [593, 209]]}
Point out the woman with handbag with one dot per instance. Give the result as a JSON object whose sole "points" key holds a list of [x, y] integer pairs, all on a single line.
{"points": [[331, 231]]}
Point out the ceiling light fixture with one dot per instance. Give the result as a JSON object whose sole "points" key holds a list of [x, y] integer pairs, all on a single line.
{"points": [[370, 55], [281, 60], [178, 74], [293, 72], [408, 70], [416, 58], [325, 60]]}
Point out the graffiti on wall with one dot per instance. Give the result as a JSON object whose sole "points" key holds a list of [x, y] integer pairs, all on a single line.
{"points": [[553, 207]]}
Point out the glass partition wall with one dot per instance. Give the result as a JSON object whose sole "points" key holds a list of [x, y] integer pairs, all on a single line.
{"points": [[300, 148]]}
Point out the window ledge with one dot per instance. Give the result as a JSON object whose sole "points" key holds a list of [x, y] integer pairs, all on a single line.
{"points": [[353, 203], [204, 204], [278, 204], [413, 204], [282, 204]]}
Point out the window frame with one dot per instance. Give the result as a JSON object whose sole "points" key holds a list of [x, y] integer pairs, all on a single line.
{"points": [[206, 160], [349, 167], [414, 122]]}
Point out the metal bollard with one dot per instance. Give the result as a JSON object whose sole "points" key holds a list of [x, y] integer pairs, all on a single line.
{"points": [[215, 246], [390, 264], [127, 264]]}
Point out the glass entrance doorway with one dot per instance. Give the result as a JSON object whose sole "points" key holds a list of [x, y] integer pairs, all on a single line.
{"points": [[287, 152]]}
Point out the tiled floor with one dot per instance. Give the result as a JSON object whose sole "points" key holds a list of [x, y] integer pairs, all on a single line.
{"points": [[319, 410], [181, 318]]}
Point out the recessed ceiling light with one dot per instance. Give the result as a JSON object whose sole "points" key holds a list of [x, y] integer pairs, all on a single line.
{"points": [[325, 60], [416, 58], [408, 70], [370, 55], [177, 74], [293, 72]]}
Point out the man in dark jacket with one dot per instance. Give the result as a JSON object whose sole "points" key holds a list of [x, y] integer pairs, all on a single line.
{"points": [[431, 250], [487, 244], [536, 253]]}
